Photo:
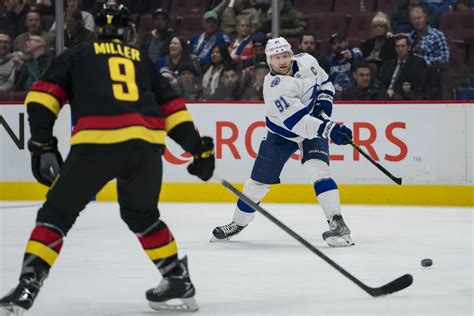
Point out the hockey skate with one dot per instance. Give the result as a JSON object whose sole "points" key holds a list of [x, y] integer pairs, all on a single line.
{"points": [[221, 233], [21, 298], [338, 234], [175, 293]]}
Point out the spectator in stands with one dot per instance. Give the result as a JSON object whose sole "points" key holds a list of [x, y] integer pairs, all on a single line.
{"points": [[87, 18], [380, 47], [426, 41], [212, 75], [229, 89], [439, 6], [463, 5], [344, 57], [400, 19], [14, 20], [75, 32], [35, 65], [253, 89], [230, 15], [156, 43], [364, 88], [259, 41], [201, 44], [188, 86], [241, 49], [34, 26], [404, 76], [179, 55], [292, 21], [7, 67], [307, 44]]}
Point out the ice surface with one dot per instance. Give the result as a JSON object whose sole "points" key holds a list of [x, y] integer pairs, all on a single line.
{"points": [[102, 269]]}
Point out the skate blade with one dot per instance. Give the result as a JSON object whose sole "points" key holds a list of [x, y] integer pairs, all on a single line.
{"points": [[214, 239], [180, 305], [340, 241], [11, 310]]}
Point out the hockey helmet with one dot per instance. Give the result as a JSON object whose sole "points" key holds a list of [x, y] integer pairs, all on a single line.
{"points": [[276, 46], [112, 20]]}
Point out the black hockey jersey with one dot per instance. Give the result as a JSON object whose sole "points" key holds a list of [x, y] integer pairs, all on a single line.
{"points": [[116, 95]]}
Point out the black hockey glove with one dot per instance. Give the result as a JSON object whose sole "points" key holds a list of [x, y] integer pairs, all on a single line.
{"points": [[338, 133], [46, 160], [204, 160]]}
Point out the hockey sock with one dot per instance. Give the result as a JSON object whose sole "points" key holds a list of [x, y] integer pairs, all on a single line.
{"points": [[256, 191], [161, 248], [42, 250], [328, 197]]}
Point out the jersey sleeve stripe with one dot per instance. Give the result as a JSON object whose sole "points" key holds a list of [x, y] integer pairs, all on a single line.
{"points": [[44, 99], [119, 135], [279, 130], [295, 118], [177, 118], [52, 89], [173, 106], [119, 121]]}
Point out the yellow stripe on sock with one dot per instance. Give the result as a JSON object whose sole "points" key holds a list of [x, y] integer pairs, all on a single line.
{"points": [[42, 251], [163, 252]]}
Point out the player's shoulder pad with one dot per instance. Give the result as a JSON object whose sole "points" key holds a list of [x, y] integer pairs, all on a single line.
{"points": [[280, 85]]}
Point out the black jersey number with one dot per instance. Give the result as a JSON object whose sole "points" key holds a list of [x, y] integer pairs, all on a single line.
{"points": [[122, 71]]}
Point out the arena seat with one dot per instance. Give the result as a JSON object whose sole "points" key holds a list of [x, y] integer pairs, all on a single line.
{"points": [[353, 6], [188, 7], [311, 6]]}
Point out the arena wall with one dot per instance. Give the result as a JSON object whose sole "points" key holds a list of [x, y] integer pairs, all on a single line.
{"points": [[429, 145]]}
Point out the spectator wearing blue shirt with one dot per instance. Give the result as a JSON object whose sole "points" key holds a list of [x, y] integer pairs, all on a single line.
{"points": [[426, 41], [440, 6], [200, 45], [344, 57]]}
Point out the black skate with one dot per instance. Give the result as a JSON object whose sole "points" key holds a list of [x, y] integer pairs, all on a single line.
{"points": [[175, 293], [21, 298], [338, 234], [226, 231]]}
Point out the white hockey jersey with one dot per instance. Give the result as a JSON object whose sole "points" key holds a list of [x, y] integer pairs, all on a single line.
{"points": [[289, 100]]}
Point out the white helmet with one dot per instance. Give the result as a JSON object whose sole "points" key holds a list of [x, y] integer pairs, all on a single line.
{"points": [[276, 46]]}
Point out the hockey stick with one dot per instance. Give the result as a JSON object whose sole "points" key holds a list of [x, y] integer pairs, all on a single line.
{"points": [[375, 163], [391, 287]]}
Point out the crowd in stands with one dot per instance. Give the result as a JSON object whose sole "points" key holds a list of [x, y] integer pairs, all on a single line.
{"points": [[215, 49]]}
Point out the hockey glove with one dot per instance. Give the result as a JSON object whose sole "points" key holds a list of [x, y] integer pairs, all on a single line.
{"points": [[46, 160], [204, 160], [323, 103], [338, 133]]}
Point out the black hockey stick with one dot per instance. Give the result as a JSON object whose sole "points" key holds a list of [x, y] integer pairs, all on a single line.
{"points": [[375, 163], [391, 287]]}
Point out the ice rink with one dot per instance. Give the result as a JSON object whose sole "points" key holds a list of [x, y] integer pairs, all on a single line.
{"points": [[102, 269]]}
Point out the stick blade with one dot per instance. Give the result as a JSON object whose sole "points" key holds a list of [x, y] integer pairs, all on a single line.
{"points": [[396, 285], [398, 181]]}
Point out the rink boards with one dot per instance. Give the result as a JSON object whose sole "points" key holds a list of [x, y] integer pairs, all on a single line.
{"points": [[429, 145]]}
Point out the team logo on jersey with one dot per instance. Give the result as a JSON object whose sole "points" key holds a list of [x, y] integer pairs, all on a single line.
{"points": [[275, 82], [313, 70]]}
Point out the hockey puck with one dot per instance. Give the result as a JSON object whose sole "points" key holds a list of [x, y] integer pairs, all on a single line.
{"points": [[426, 262]]}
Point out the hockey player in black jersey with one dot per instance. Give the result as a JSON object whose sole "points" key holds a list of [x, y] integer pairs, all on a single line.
{"points": [[122, 110]]}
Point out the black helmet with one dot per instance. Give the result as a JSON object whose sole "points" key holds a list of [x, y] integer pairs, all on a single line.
{"points": [[112, 20]]}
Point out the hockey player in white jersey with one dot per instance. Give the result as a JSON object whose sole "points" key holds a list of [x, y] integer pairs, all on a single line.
{"points": [[297, 92]]}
